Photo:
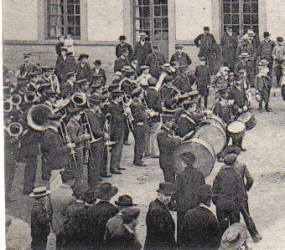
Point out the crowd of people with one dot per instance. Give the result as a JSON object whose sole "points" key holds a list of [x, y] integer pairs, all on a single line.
{"points": [[74, 117]]}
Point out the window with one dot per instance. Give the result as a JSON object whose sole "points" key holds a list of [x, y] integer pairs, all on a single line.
{"points": [[63, 18], [240, 14]]}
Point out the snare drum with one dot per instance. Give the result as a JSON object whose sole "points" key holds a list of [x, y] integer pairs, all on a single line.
{"points": [[249, 119], [236, 129]]}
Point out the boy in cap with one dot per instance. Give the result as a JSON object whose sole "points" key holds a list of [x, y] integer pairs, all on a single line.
{"points": [[142, 49], [279, 59], [123, 46], [200, 224], [180, 56], [229, 191], [263, 84], [128, 238], [82, 68], [154, 61], [40, 218], [159, 222]]}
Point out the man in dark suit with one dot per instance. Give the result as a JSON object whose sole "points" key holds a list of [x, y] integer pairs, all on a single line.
{"points": [[229, 191], [27, 67], [201, 229], [229, 45], [116, 112], [155, 60], [98, 77], [142, 49], [265, 49], [123, 46], [180, 57], [121, 61], [160, 224], [188, 184], [139, 114], [99, 214], [208, 48], [82, 68]]}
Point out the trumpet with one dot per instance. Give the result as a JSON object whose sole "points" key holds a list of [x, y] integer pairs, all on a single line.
{"points": [[79, 99], [15, 129], [30, 97]]}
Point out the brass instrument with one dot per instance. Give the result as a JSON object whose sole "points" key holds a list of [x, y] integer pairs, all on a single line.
{"points": [[16, 99], [7, 106], [30, 97], [87, 127], [160, 80], [15, 129], [37, 117], [79, 99]]}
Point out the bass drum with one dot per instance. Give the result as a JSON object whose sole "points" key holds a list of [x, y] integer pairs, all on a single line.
{"points": [[203, 152], [248, 119], [214, 133], [236, 129]]}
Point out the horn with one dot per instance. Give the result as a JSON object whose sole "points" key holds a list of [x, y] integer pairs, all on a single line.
{"points": [[30, 97], [16, 99], [79, 99], [15, 129], [37, 117], [7, 106]]}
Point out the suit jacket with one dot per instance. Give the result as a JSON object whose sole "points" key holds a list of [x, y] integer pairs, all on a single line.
{"points": [[200, 230], [83, 72], [229, 45], [120, 49], [207, 44], [203, 79], [120, 63], [265, 49], [138, 111], [98, 77], [187, 189], [183, 59], [142, 51], [153, 99], [64, 66], [98, 216], [154, 61], [160, 227], [229, 189], [96, 122]]}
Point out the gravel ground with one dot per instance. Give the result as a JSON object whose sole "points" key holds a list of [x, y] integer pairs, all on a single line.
{"points": [[265, 157]]}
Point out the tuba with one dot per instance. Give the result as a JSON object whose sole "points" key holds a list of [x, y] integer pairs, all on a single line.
{"points": [[37, 117], [15, 129], [79, 99], [30, 97]]}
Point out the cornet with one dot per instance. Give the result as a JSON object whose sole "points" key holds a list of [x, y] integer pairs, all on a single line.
{"points": [[30, 97], [79, 99]]}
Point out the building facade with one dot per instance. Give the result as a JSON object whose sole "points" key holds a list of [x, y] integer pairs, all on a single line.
{"points": [[35, 25]]}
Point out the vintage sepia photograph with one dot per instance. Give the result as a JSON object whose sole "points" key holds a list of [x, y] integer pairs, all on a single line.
{"points": [[143, 124]]}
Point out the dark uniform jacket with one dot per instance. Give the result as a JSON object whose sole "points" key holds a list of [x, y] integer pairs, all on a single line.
{"points": [[138, 111], [168, 95], [67, 89], [201, 230], [153, 99], [64, 66], [160, 227], [30, 143], [121, 48], [128, 85], [98, 78], [207, 44], [263, 85], [244, 174], [26, 69], [142, 51], [126, 240], [239, 97], [183, 59], [98, 216], [245, 48], [58, 47], [203, 79], [96, 122], [120, 63], [229, 45], [154, 61], [265, 50], [83, 72], [229, 189], [183, 82]]}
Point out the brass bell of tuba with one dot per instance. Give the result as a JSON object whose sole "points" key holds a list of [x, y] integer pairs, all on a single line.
{"points": [[15, 129], [37, 117]]}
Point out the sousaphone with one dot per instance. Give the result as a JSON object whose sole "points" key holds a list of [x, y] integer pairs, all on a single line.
{"points": [[37, 117]]}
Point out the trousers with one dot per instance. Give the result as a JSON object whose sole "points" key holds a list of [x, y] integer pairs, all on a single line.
{"points": [[227, 217], [30, 174], [139, 135], [116, 153]]}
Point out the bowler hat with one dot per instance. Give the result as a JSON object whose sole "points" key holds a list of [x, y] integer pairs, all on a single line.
{"points": [[230, 159], [129, 214], [89, 196], [266, 34], [106, 191], [166, 188], [178, 46], [39, 192], [234, 237], [125, 200], [83, 55], [123, 37]]}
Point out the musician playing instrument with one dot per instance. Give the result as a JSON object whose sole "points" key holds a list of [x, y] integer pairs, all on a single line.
{"points": [[69, 86], [145, 75], [129, 83], [98, 75], [52, 79], [154, 61], [82, 68], [27, 67]]}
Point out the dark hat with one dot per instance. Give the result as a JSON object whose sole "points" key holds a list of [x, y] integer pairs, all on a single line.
{"points": [[27, 55], [166, 188], [188, 158], [64, 49], [178, 46], [125, 200], [116, 93], [89, 196], [106, 191], [144, 67], [70, 74], [152, 81], [83, 55], [206, 28], [39, 192], [234, 237], [136, 91], [230, 159], [79, 191], [266, 34], [97, 62], [155, 46], [129, 214], [279, 39], [123, 37]]}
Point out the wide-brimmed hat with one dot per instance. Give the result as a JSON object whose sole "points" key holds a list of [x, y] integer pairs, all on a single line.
{"points": [[263, 62], [125, 200], [39, 192], [234, 237], [244, 55], [230, 159], [106, 191], [83, 55], [166, 188]]}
